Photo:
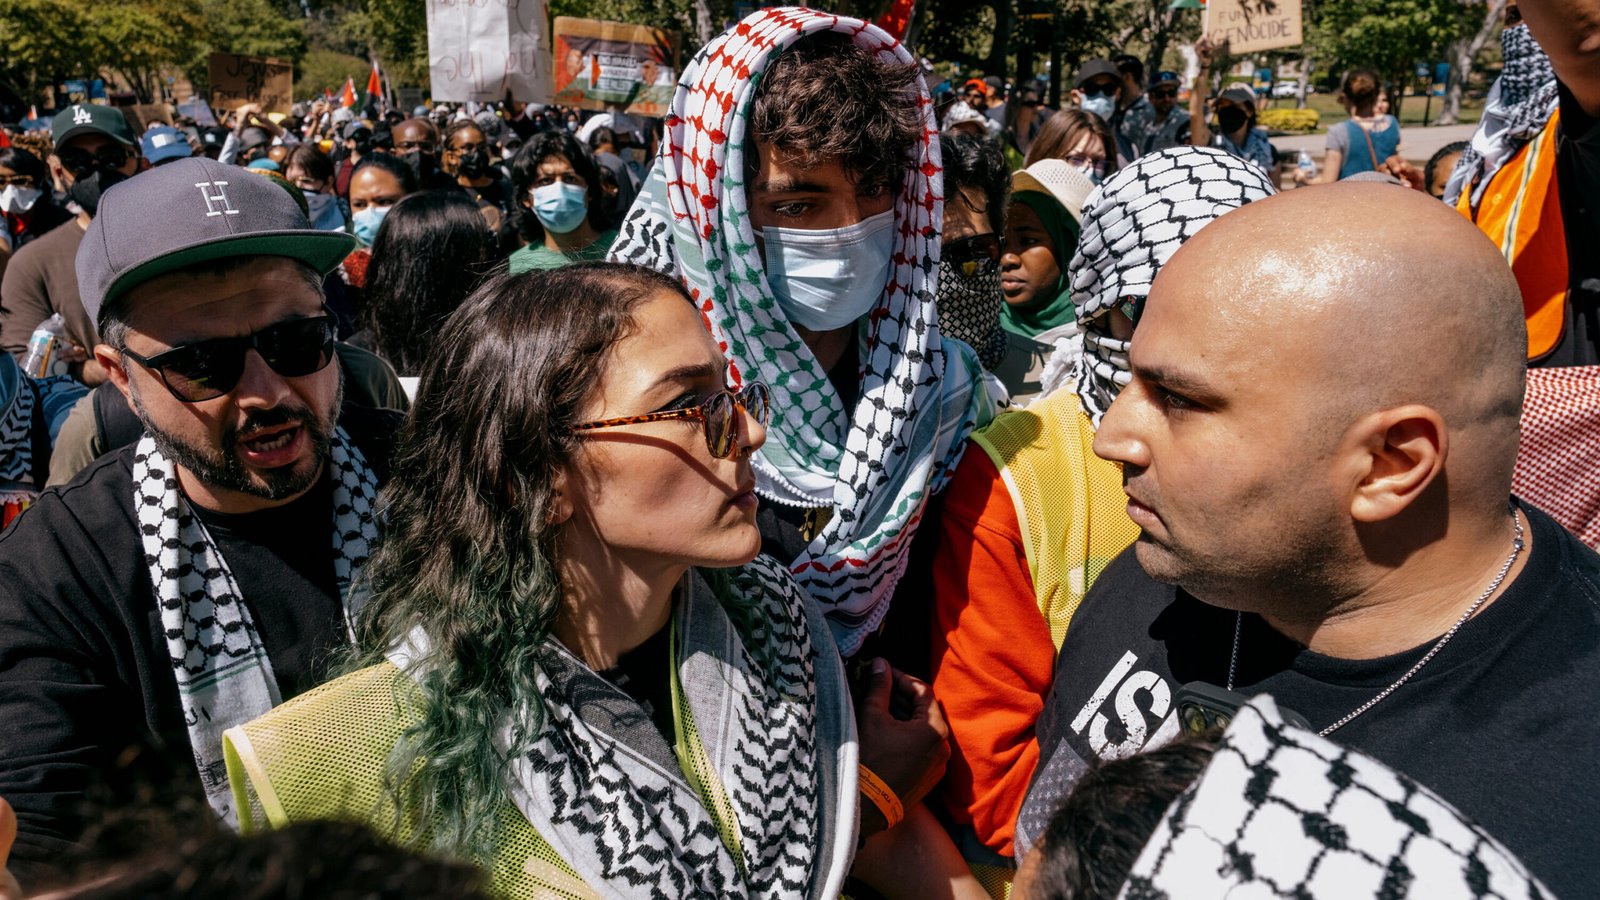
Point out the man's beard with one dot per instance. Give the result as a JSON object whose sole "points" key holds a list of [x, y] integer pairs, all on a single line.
{"points": [[221, 467]]}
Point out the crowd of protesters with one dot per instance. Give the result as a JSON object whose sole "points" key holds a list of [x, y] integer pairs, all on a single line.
{"points": [[940, 496]]}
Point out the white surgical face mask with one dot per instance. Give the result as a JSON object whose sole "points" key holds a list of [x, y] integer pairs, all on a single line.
{"points": [[18, 200], [367, 221], [1101, 105], [828, 279], [561, 207]]}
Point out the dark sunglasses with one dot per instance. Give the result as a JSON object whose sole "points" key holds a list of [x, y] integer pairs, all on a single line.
{"points": [[1100, 89], [81, 162], [1164, 92], [969, 253], [206, 370], [719, 414]]}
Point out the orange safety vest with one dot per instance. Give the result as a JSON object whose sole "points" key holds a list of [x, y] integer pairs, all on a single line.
{"points": [[1521, 212]]}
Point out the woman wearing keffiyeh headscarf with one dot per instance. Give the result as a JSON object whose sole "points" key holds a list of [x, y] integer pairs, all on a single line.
{"points": [[31, 415], [1031, 488], [798, 195]]}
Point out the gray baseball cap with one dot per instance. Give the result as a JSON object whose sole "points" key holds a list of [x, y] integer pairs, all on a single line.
{"points": [[193, 211]]}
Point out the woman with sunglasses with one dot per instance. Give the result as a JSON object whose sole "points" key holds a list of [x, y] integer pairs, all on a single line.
{"points": [[1042, 228], [25, 202], [578, 674]]}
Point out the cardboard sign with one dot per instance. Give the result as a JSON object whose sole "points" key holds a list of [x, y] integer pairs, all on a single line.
{"points": [[483, 51], [199, 111], [142, 115], [599, 65], [1250, 26], [237, 80]]}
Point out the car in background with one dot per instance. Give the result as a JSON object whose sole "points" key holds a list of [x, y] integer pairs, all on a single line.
{"points": [[1286, 89]]}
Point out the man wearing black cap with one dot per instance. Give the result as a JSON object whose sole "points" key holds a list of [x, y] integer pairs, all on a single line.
{"points": [[192, 581], [94, 149], [1098, 89], [1170, 126], [1134, 109]]}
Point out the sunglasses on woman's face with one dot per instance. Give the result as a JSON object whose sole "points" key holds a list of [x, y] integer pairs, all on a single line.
{"points": [[719, 414], [206, 370], [969, 253], [81, 162]]}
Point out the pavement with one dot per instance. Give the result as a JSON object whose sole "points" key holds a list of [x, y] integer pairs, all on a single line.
{"points": [[1417, 144]]}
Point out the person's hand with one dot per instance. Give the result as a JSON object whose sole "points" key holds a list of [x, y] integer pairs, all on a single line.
{"points": [[9, 889], [904, 738], [1299, 176], [1398, 167], [1204, 52]]}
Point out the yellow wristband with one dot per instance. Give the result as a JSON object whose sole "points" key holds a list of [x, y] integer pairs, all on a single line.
{"points": [[882, 796]]}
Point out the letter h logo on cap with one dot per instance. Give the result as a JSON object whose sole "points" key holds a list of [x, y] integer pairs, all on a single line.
{"points": [[221, 196]]}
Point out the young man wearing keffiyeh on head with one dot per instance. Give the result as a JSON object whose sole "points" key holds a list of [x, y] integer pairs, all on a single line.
{"points": [[798, 194], [1032, 516], [192, 581]]}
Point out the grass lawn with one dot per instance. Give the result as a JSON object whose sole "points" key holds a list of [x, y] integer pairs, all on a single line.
{"points": [[1331, 113]]}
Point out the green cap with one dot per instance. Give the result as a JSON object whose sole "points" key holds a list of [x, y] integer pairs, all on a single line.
{"points": [[91, 118]]}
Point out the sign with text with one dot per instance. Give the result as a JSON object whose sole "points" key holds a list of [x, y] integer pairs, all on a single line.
{"points": [[237, 80], [484, 49], [1250, 26], [599, 65]]}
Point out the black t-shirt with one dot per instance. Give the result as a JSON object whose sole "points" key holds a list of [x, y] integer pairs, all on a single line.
{"points": [[1501, 722], [1578, 181], [84, 668], [642, 673]]}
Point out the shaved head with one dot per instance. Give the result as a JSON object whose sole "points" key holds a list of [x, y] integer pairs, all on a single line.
{"points": [[1324, 382]]}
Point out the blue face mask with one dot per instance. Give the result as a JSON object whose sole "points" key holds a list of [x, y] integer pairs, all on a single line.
{"points": [[560, 207], [366, 223], [1099, 104], [828, 279]]}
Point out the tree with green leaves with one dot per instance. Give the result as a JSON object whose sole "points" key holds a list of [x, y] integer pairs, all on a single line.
{"points": [[1388, 36]]}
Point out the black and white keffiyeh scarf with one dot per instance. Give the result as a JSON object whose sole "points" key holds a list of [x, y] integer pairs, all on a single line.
{"points": [[758, 801], [1282, 812], [1132, 224], [223, 673], [1519, 105], [16, 434]]}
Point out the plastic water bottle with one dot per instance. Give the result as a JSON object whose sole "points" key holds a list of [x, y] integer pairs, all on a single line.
{"points": [[1306, 164], [44, 348]]}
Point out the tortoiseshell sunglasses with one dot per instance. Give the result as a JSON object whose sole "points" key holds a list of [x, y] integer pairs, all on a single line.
{"points": [[719, 414]]}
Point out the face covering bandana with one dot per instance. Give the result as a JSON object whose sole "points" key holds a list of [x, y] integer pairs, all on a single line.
{"points": [[18, 200], [473, 165], [366, 223], [423, 164], [323, 209], [561, 207], [969, 309], [87, 191], [1100, 105], [1231, 119], [827, 279]]}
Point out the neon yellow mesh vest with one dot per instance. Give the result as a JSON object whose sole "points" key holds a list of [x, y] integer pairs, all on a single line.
{"points": [[1072, 514], [322, 755], [1070, 506]]}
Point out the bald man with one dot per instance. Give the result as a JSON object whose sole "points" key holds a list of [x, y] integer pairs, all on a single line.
{"points": [[1317, 444], [416, 142]]}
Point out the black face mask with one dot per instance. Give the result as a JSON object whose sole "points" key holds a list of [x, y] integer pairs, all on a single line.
{"points": [[1232, 119], [363, 147], [423, 164], [474, 164], [87, 191]]}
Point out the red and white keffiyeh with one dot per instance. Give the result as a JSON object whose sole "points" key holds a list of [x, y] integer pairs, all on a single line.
{"points": [[1558, 462]]}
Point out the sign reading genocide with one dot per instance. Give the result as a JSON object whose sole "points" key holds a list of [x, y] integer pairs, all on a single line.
{"points": [[482, 49], [237, 80], [604, 64], [1250, 26]]}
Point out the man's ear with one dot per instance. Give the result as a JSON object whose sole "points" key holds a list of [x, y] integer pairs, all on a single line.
{"points": [[110, 360], [1396, 454]]}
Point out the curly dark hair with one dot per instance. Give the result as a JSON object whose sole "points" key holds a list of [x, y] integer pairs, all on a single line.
{"points": [[974, 161], [1091, 842], [826, 98]]}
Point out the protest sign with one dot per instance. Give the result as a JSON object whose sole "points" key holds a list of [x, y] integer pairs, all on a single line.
{"points": [[482, 50], [199, 111], [237, 80], [1250, 26], [141, 116], [605, 64]]}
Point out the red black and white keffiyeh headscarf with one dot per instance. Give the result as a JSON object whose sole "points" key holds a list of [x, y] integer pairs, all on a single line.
{"points": [[920, 394]]}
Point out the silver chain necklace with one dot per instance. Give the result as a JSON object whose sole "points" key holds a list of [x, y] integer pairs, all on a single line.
{"points": [[1516, 550]]}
